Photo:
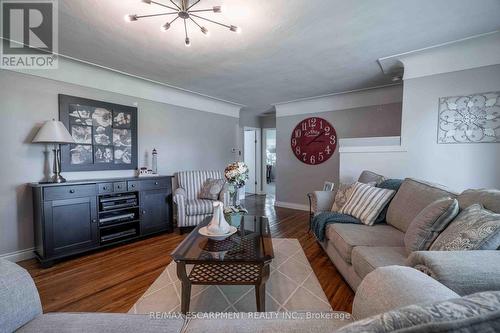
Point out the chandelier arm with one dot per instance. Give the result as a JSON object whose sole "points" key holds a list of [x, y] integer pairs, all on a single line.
{"points": [[172, 1], [173, 20], [201, 10], [199, 26], [211, 21], [185, 28], [154, 15], [160, 4], [194, 4]]}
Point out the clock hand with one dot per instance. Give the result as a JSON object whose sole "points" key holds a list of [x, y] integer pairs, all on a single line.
{"points": [[316, 138]]}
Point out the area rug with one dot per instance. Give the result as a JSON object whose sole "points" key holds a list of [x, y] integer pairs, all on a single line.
{"points": [[292, 286]]}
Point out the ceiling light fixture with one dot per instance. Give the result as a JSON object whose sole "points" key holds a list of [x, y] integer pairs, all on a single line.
{"points": [[184, 10]]}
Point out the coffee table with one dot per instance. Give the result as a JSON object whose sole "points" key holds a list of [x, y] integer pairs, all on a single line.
{"points": [[241, 259]]}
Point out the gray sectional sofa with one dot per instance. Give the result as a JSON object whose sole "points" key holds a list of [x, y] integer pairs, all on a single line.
{"points": [[392, 298], [357, 249]]}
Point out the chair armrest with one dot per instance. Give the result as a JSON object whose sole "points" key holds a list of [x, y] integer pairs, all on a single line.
{"points": [[179, 194], [322, 201], [19, 299], [392, 287], [465, 272]]}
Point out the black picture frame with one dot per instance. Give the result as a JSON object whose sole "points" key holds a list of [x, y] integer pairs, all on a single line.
{"points": [[126, 135]]}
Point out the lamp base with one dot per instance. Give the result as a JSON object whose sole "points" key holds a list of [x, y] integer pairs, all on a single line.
{"points": [[57, 178]]}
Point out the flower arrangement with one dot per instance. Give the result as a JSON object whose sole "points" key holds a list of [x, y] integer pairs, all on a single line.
{"points": [[236, 174]]}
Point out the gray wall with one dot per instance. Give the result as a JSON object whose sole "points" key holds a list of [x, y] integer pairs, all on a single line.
{"points": [[185, 139], [459, 166], [268, 121], [295, 179]]}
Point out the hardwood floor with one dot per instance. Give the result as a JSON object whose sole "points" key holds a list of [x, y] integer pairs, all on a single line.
{"points": [[114, 279]]}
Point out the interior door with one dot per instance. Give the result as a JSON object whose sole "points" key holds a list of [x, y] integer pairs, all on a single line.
{"points": [[250, 160]]}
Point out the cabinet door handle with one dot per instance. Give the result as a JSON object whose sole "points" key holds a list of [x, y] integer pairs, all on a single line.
{"points": [[71, 191], [94, 220], [119, 187], [156, 183], [132, 185], [143, 212], [105, 188]]}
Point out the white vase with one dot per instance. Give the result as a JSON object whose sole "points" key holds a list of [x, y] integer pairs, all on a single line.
{"points": [[218, 225]]}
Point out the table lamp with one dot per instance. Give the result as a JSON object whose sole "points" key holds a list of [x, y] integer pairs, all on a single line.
{"points": [[54, 132]]}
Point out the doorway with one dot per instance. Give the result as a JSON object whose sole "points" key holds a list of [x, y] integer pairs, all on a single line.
{"points": [[251, 157], [269, 161]]}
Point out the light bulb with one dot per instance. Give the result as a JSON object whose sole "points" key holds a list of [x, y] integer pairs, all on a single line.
{"points": [[217, 9], [131, 17], [234, 28], [187, 42], [205, 31], [165, 27]]}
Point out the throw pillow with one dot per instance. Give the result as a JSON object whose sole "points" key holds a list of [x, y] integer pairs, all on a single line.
{"points": [[343, 193], [429, 223], [475, 228], [366, 202], [211, 189], [391, 184]]}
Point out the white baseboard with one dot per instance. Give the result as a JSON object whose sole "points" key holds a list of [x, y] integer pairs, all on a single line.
{"points": [[19, 255], [291, 205]]}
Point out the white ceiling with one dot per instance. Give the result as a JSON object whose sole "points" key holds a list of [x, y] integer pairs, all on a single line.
{"points": [[289, 49]]}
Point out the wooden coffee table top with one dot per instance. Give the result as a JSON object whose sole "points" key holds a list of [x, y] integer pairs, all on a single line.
{"points": [[252, 244]]}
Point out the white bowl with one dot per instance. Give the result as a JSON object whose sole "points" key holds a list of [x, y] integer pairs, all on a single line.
{"points": [[204, 231]]}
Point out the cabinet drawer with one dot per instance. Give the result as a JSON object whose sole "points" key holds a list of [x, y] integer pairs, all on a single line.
{"points": [[105, 188], [68, 192], [154, 184], [120, 186], [133, 185]]}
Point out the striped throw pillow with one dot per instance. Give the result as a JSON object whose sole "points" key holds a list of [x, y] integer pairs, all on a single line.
{"points": [[366, 202]]}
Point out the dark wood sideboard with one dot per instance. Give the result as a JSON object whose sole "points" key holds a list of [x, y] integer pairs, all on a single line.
{"points": [[80, 216]]}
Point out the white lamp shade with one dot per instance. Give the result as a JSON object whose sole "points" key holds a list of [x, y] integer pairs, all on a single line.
{"points": [[53, 131]]}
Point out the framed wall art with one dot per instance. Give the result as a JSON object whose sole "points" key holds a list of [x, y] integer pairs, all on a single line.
{"points": [[105, 135], [469, 119]]}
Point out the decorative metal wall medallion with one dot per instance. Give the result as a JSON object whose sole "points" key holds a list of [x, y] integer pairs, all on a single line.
{"points": [[469, 119]]}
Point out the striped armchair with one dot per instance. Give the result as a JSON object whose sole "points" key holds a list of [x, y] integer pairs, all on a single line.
{"points": [[189, 208]]}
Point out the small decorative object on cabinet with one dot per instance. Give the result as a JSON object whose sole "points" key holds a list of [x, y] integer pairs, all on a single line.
{"points": [[154, 164], [54, 132], [314, 141], [80, 216]]}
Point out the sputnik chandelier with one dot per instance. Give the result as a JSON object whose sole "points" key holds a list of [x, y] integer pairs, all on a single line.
{"points": [[184, 10]]}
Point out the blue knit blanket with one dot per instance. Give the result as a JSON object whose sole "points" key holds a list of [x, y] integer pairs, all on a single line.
{"points": [[321, 220]]}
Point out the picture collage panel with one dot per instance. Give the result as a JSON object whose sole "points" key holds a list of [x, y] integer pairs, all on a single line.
{"points": [[101, 136]]}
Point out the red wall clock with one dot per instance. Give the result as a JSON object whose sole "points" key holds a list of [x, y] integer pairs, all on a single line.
{"points": [[314, 140]]}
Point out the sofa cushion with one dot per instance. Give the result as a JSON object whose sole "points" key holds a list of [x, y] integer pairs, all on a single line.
{"points": [[366, 202], [199, 207], [269, 322], [345, 237], [412, 197], [211, 189], [367, 177], [390, 184], [475, 228], [102, 323], [429, 223], [365, 259], [489, 199], [474, 313]]}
